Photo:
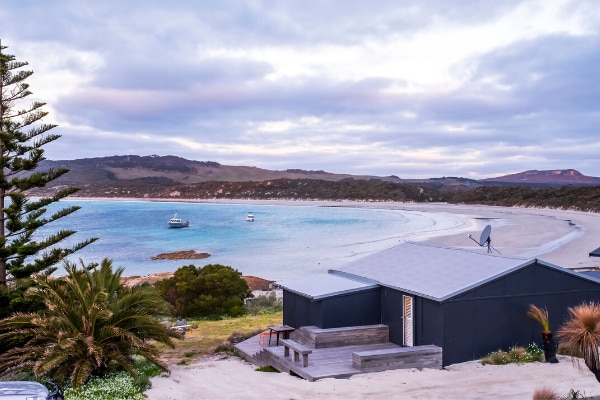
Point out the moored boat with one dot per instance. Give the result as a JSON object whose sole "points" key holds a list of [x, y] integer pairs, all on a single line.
{"points": [[250, 217], [177, 222]]}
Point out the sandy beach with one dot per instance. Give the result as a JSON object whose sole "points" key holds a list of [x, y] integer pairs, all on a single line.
{"points": [[563, 238]]}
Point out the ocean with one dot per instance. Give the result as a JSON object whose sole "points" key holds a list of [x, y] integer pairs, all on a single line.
{"points": [[283, 241]]}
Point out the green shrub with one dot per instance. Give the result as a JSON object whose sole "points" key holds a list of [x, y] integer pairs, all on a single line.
{"points": [[212, 291], [515, 355], [263, 304], [118, 385], [536, 351]]}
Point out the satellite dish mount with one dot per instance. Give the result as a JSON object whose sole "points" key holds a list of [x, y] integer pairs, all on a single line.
{"points": [[485, 239]]}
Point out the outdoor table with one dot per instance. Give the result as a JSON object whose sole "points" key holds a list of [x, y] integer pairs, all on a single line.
{"points": [[277, 329]]}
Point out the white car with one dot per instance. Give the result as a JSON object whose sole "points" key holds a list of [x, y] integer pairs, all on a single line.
{"points": [[28, 390]]}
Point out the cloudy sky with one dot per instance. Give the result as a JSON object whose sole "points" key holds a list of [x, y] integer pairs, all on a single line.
{"points": [[415, 89]]}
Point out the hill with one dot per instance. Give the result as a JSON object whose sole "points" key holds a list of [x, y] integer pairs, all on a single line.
{"points": [[172, 169], [175, 178], [549, 177]]}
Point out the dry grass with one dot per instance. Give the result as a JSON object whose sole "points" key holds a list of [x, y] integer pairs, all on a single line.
{"points": [[545, 394], [582, 331], [210, 336]]}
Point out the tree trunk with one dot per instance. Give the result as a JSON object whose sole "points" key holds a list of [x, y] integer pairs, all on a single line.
{"points": [[549, 348]]}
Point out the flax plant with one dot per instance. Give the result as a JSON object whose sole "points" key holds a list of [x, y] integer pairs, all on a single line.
{"points": [[91, 325], [582, 331]]}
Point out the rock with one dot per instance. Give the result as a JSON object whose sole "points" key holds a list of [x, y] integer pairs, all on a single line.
{"points": [[181, 255]]}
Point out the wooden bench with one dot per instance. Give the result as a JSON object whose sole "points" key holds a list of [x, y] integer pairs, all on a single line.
{"points": [[320, 338], [429, 356], [298, 349]]}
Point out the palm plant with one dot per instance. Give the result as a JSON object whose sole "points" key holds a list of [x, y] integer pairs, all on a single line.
{"points": [[582, 331], [91, 324], [541, 316]]}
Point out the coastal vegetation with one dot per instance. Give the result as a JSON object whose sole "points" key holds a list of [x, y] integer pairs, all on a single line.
{"points": [[515, 354], [579, 198], [581, 335], [212, 291], [91, 325]]}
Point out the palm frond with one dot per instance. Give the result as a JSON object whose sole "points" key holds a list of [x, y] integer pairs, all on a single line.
{"points": [[91, 321]]}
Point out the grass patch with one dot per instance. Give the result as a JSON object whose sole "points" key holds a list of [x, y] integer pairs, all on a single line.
{"points": [[209, 336], [268, 368], [532, 353]]}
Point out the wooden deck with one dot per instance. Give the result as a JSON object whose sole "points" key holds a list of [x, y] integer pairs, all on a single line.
{"points": [[333, 361]]}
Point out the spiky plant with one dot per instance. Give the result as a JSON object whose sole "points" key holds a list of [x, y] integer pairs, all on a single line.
{"points": [[541, 316], [582, 331], [91, 324]]}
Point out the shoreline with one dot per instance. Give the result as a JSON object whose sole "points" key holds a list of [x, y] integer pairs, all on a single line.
{"points": [[561, 237]]}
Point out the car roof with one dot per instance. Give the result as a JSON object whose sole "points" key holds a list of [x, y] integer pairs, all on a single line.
{"points": [[17, 390]]}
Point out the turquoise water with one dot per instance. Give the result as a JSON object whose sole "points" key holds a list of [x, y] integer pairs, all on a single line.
{"points": [[283, 242]]}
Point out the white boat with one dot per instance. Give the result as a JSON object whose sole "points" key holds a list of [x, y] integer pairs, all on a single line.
{"points": [[250, 217], [177, 222]]}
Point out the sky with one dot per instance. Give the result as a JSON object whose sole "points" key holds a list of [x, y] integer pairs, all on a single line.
{"points": [[415, 89]]}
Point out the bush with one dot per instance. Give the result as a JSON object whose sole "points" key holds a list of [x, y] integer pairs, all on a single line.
{"points": [[212, 291], [263, 304], [515, 355], [117, 386]]}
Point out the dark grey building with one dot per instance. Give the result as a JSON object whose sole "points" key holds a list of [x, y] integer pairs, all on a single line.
{"points": [[469, 303]]}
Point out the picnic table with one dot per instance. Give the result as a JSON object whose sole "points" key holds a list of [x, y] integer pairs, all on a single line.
{"points": [[278, 330]]}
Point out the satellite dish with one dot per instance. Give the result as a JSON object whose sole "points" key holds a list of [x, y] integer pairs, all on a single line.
{"points": [[485, 235], [485, 239]]}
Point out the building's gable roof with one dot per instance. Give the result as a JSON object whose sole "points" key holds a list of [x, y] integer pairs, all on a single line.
{"points": [[429, 271], [320, 286], [433, 272]]}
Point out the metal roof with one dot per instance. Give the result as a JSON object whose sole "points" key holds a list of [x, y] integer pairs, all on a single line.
{"points": [[429, 271], [595, 274], [433, 272], [323, 285]]}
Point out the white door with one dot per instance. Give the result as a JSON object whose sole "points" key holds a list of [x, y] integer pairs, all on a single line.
{"points": [[408, 320]]}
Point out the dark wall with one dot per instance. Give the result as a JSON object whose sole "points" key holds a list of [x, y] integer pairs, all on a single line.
{"points": [[362, 308], [494, 316], [300, 311], [359, 308]]}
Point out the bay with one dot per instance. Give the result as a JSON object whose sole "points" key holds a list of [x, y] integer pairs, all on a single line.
{"points": [[284, 241]]}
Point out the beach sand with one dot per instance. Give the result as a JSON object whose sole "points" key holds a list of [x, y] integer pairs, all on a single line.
{"points": [[563, 238], [233, 378]]}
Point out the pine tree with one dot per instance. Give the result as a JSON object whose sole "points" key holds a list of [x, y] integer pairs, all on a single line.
{"points": [[22, 136]]}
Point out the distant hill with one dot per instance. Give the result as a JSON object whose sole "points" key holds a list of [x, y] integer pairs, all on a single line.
{"points": [[172, 169], [174, 178], [549, 177]]}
